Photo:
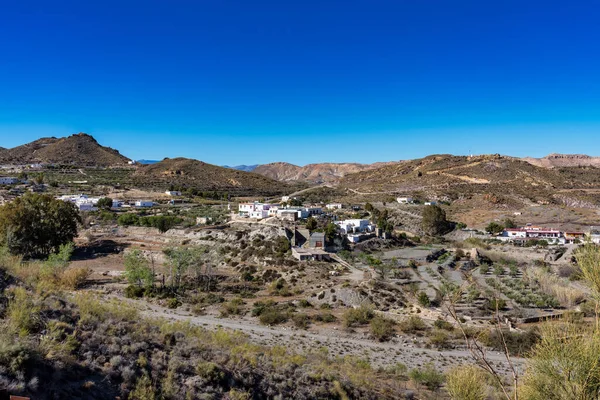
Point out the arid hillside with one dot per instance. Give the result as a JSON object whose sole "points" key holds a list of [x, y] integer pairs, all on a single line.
{"points": [[564, 160], [203, 176], [80, 149], [501, 180], [313, 173]]}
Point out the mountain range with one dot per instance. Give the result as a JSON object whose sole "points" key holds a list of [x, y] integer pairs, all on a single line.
{"points": [[438, 176]]}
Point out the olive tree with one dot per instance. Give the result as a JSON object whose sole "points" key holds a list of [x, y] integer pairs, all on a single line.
{"points": [[36, 225]]}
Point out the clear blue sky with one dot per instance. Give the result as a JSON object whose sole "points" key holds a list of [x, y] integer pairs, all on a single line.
{"points": [[232, 82]]}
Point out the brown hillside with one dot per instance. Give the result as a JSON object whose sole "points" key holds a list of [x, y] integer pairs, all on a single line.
{"points": [[203, 176], [499, 179], [79, 149], [564, 160], [312, 173]]}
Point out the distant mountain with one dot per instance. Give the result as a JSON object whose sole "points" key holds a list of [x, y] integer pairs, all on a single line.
{"points": [[247, 168], [79, 149], [147, 161], [207, 177], [564, 160], [313, 173]]}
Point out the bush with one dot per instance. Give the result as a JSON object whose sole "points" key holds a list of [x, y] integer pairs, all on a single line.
{"points": [[233, 307], [413, 324], [466, 382], [428, 376], [423, 299], [440, 339], [272, 316], [23, 314], [445, 325], [173, 302], [301, 321], [325, 317], [128, 219], [133, 291], [382, 328], [74, 278], [358, 316]]}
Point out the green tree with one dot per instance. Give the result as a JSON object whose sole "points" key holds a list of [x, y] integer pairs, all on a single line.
{"points": [[105, 203], [509, 223], [494, 228], [311, 224], [423, 299], [331, 231], [369, 207], [137, 270], [128, 219], [434, 221], [35, 225]]}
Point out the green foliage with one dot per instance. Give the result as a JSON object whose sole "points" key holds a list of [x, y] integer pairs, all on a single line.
{"points": [[137, 269], [128, 219], [382, 328], [494, 228], [331, 231], [466, 382], [233, 307], [358, 316], [22, 312], [509, 223], [434, 221], [37, 225], [413, 324], [311, 224], [427, 376], [105, 203], [423, 299]]}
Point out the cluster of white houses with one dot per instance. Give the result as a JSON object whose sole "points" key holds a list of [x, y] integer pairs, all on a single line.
{"points": [[259, 210], [356, 230], [86, 203], [552, 236]]}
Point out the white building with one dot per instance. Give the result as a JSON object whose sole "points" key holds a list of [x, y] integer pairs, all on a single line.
{"points": [[334, 206], [430, 203], [173, 193], [255, 210], [313, 210], [7, 180], [355, 226], [405, 200], [144, 203]]}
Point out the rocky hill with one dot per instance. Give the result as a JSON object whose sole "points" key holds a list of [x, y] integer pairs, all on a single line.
{"points": [[564, 160], [312, 173], [499, 179], [80, 149], [208, 177]]}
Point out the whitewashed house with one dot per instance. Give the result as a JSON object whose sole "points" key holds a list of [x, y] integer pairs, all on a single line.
{"points": [[334, 206], [173, 193], [144, 203], [405, 200]]}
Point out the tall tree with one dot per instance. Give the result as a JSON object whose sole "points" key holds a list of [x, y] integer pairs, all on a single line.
{"points": [[35, 225], [434, 221]]}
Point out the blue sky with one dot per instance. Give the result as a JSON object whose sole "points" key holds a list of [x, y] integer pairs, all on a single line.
{"points": [[232, 82]]}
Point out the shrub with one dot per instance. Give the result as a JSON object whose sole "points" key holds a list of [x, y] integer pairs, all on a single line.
{"points": [[423, 299], [272, 316], [23, 314], [133, 291], [233, 307], [74, 278], [325, 317], [382, 328], [128, 219], [412, 324], [301, 321], [466, 382], [358, 316], [428, 376], [440, 339], [173, 302], [445, 325]]}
